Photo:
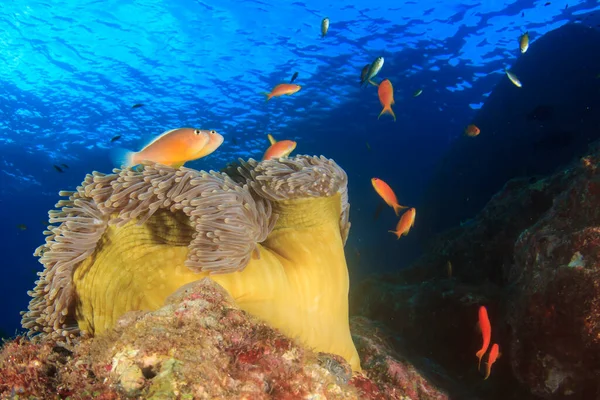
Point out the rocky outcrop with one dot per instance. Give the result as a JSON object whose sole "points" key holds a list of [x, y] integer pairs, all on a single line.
{"points": [[200, 345], [532, 257], [554, 307]]}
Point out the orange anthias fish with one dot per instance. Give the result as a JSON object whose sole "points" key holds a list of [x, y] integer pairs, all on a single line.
{"points": [[407, 221], [494, 355], [486, 332], [283, 88], [173, 148], [472, 130], [387, 194], [386, 97], [283, 148]]}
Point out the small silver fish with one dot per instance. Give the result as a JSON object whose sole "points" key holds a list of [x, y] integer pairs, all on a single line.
{"points": [[374, 70], [513, 78], [324, 26]]}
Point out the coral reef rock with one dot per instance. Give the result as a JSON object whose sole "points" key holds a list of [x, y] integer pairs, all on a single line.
{"points": [[200, 345]]}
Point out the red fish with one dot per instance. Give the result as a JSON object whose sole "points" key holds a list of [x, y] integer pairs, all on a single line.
{"points": [[387, 194], [486, 332], [494, 355], [407, 221], [281, 89], [386, 98], [472, 130], [283, 148]]}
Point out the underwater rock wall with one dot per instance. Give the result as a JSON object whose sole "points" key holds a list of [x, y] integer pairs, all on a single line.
{"points": [[524, 131], [532, 257], [554, 307]]}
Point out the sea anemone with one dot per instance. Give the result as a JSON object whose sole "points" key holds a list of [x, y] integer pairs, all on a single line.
{"points": [[271, 233]]}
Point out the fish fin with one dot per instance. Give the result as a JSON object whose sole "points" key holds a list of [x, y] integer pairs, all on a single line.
{"points": [[373, 83], [271, 139], [387, 110], [122, 157], [268, 96], [479, 355], [157, 138], [488, 369], [397, 207], [178, 164], [395, 233]]}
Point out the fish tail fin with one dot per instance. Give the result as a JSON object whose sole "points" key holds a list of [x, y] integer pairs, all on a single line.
{"points": [[373, 83], [268, 96], [479, 355], [395, 233], [387, 110], [488, 369], [397, 208], [122, 157]]}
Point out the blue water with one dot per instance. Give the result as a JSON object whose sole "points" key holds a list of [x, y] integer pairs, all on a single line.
{"points": [[70, 72]]}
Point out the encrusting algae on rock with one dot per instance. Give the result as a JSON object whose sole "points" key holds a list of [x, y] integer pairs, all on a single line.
{"points": [[270, 233]]}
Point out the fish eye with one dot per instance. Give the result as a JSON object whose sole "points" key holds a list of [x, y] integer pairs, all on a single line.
{"points": [[213, 132], [196, 131]]}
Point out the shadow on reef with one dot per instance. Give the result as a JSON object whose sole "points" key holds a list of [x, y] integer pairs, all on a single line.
{"points": [[532, 257]]}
